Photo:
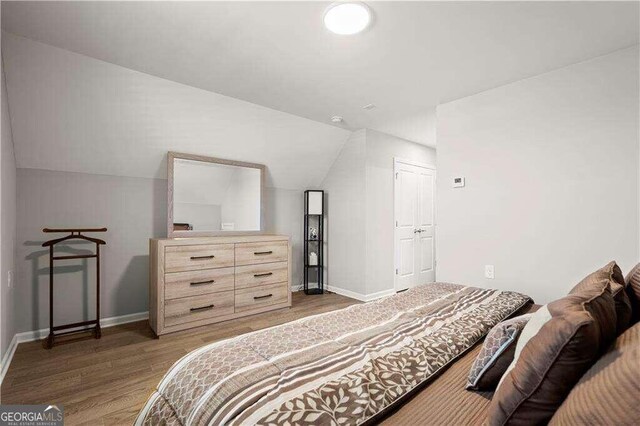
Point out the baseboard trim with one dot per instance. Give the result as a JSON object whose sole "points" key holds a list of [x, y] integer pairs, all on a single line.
{"points": [[359, 296], [30, 336], [351, 294], [380, 294], [8, 356], [347, 293]]}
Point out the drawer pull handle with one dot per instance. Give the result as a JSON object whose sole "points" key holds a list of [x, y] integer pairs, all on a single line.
{"points": [[202, 308], [202, 257], [203, 282], [266, 274], [262, 297], [258, 253]]}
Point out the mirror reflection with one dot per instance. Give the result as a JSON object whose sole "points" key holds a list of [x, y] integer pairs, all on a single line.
{"points": [[215, 197]]}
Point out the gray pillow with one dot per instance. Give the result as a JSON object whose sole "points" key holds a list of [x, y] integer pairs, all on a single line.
{"points": [[496, 354]]}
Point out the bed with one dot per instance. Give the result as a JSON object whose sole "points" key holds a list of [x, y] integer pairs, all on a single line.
{"points": [[350, 366], [444, 400]]}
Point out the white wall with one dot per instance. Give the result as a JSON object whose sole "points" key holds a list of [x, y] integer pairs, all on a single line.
{"points": [[8, 225], [91, 141], [381, 150], [551, 167], [345, 206], [285, 216], [133, 210], [419, 127], [359, 197]]}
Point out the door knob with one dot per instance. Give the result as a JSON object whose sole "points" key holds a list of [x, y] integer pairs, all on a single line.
{"points": [[417, 231]]}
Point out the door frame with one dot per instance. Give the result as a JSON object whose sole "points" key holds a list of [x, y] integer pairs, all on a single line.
{"points": [[400, 160]]}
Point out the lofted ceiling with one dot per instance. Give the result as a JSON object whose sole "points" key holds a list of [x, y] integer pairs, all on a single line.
{"points": [[277, 54], [73, 113]]}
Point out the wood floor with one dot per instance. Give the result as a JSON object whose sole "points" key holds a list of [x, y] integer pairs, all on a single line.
{"points": [[107, 381]]}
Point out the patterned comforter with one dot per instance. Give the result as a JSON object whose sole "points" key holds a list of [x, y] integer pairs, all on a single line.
{"points": [[341, 367]]}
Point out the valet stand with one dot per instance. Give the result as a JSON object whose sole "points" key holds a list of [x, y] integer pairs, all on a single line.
{"points": [[76, 234]]}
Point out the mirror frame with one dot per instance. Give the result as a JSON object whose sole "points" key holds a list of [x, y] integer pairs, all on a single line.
{"points": [[171, 156]]}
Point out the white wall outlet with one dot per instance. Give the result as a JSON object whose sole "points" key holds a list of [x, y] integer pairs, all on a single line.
{"points": [[10, 279], [489, 272]]}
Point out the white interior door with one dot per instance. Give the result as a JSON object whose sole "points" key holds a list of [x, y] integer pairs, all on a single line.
{"points": [[415, 225]]}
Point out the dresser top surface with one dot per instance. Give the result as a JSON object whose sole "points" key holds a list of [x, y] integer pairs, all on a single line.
{"points": [[220, 240]]}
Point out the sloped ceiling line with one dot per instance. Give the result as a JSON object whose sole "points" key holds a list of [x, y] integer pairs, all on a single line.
{"points": [[78, 114], [278, 54]]}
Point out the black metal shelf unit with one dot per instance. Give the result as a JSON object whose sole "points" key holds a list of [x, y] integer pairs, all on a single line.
{"points": [[314, 242]]}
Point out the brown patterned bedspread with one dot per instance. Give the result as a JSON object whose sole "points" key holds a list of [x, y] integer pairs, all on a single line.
{"points": [[341, 367]]}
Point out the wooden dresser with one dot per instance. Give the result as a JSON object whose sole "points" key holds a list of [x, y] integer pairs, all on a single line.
{"points": [[198, 281]]}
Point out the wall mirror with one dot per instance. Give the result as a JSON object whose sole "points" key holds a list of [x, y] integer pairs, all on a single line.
{"points": [[210, 196]]}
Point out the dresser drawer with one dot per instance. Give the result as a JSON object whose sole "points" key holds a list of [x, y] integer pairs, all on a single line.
{"points": [[254, 253], [197, 257], [262, 274], [257, 297], [194, 283], [187, 309]]}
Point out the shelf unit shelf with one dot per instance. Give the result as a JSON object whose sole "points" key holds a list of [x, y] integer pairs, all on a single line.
{"points": [[313, 219]]}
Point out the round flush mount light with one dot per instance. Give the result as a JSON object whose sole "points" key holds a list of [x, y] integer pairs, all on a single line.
{"points": [[346, 18]]}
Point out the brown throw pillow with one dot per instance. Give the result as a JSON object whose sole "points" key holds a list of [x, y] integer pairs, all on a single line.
{"points": [[496, 354], [611, 271], [558, 345], [633, 291], [608, 394]]}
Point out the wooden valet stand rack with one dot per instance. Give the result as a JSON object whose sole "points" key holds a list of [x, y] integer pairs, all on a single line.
{"points": [[76, 234]]}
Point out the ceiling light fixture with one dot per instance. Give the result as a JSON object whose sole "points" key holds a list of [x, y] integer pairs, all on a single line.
{"points": [[337, 119], [346, 18]]}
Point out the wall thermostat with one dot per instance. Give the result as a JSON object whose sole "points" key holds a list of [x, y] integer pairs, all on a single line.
{"points": [[458, 182]]}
